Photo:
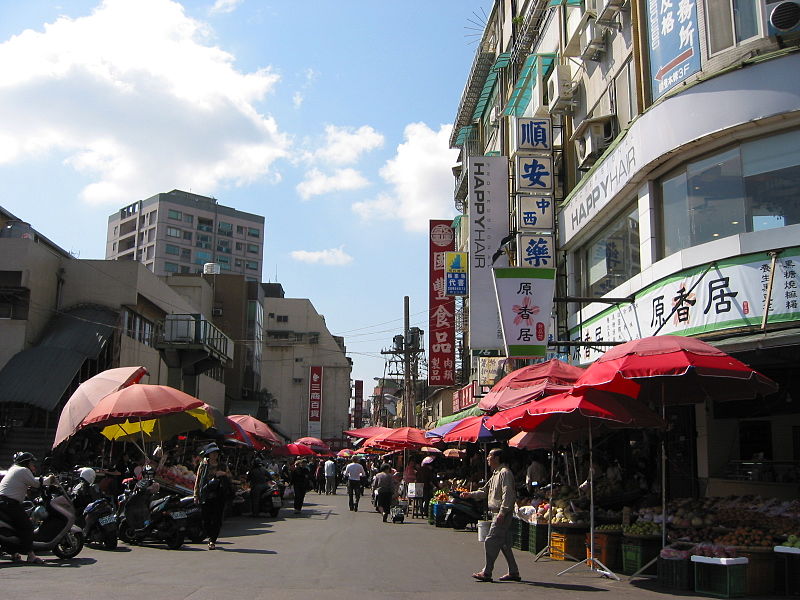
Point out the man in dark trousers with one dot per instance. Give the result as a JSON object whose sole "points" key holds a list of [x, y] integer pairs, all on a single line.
{"points": [[501, 494]]}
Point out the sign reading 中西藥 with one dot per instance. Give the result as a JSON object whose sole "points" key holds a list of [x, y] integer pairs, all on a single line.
{"points": [[731, 294], [674, 43], [455, 273], [535, 250], [534, 213], [534, 174], [441, 309], [488, 225], [314, 401], [533, 135], [525, 302]]}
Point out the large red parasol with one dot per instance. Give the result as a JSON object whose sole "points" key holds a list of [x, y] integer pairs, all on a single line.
{"points": [[89, 393], [293, 450], [140, 401], [256, 428], [316, 444], [399, 438], [367, 432], [469, 429], [530, 383]]}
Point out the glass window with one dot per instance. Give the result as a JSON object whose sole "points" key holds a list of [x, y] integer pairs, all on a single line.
{"points": [[239, 246], [253, 232], [237, 262], [205, 224], [173, 232], [175, 214], [612, 257], [224, 228], [224, 263], [185, 269], [771, 169], [224, 246], [186, 254], [252, 248], [170, 249], [170, 267], [716, 197], [240, 229], [188, 218], [203, 241], [251, 264], [201, 258], [730, 22]]}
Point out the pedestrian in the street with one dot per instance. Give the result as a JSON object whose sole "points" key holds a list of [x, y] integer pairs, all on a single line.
{"points": [[319, 477], [330, 476], [257, 477], [501, 494], [353, 472], [13, 490], [210, 489], [299, 479], [384, 483]]}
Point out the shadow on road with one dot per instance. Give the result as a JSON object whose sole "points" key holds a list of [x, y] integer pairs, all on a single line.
{"points": [[248, 551], [564, 586], [52, 563]]}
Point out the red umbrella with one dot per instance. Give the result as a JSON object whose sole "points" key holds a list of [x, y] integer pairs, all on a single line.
{"points": [[142, 401], [530, 383], [367, 432], [89, 393], [469, 429], [257, 428], [400, 438], [316, 444], [293, 450], [675, 369]]}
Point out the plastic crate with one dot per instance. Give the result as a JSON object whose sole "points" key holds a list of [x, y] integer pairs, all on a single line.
{"points": [[675, 574], [723, 581], [520, 533], [439, 514], [537, 537], [760, 572], [566, 546], [431, 520], [787, 575], [606, 549], [636, 555]]}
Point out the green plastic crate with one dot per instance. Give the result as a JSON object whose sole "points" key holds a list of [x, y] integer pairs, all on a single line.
{"points": [[520, 534], [537, 537], [674, 574], [635, 556], [722, 581]]}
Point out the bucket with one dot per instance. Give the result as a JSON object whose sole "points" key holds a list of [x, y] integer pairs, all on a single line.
{"points": [[483, 530]]}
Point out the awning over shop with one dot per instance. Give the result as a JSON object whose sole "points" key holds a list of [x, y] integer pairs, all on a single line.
{"points": [[473, 411], [523, 89], [39, 376], [488, 87], [464, 134]]}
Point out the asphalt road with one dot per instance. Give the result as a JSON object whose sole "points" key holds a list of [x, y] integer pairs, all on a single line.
{"points": [[327, 552]]}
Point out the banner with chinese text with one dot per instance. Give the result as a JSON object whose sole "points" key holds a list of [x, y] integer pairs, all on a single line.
{"points": [[674, 43], [525, 302], [441, 309], [358, 403], [491, 369], [464, 397], [315, 402], [731, 294], [488, 225]]}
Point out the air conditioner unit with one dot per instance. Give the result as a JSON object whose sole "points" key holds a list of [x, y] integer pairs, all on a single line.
{"points": [[216, 312], [537, 106], [593, 42], [497, 112], [607, 10], [591, 137], [560, 89], [782, 17]]}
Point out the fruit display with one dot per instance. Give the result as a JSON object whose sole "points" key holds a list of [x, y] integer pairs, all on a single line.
{"points": [[714, 551], [177, 475], [642, 529], [609, 528], [440, 496], [746, 536], [677, 551], [693, 534], [793, 541]]}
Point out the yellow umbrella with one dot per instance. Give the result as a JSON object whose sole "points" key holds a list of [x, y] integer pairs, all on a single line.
{"points": [[159, 429]]}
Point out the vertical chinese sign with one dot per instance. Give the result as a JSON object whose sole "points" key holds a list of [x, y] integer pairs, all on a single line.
{"points": [[358, 403], [441, 309], [488, 225], [315, 402], [455, 273], [525, 301], [674, 43]]}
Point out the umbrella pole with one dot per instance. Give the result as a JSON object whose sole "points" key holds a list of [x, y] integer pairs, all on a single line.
{"points": [[545, 552], [574, 463]]}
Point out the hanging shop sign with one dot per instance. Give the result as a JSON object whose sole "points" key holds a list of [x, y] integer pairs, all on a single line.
{"points": [[491, 369], [455, 273], [315, 402], [731, 294], [674, 43], [534, 213], [533, 134], [488, 225], [525, 303], [441, 308], [535, 250], [534, 175]]}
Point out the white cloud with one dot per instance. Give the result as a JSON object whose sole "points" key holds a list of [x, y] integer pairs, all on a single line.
{"points": [[345, 145], [421, 178], [135, 97], [317, 183], [224, 6], [334, 257], [297, 99]]}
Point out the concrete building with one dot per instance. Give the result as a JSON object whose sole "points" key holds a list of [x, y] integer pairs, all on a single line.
{"points": [[297, 344], [178, 232], [672, 160]]}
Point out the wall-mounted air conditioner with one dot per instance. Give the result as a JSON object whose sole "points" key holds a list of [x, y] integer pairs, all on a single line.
{"points": [[538, 107], [781, 17], [607, 10], [497, 112], [593, 41], [592, 136], [560, 89]]}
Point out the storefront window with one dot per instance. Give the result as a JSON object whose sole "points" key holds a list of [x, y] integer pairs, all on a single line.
{"points": [[612, 257], [751, 187], [730, 22]]}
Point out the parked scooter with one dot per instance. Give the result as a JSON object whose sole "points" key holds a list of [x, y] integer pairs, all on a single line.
{"points": [[194, 519], [462, 512], [271, 499], [141, 517], [53, 516], [98, 515]]}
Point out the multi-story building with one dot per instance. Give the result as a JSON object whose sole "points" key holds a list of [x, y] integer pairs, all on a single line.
{"points": [[179, 232], [672, 157], [305, 369]]}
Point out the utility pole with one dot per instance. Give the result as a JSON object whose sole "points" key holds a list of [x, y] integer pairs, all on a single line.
{"points": [[406, 348]]}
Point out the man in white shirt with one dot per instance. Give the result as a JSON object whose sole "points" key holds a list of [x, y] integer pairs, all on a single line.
{"points": [[330, 477], [354, 472]]}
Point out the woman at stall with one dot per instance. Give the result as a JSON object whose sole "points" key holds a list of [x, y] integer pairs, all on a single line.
{"points": [[299, 478], [211, 487]]}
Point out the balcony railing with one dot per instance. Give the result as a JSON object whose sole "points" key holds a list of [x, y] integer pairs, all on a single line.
{"points": [[193, 330]]}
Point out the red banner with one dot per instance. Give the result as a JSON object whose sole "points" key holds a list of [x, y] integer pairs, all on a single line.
{"points": [[358, 406], [464, 398], [315, 401], [441, 309]]}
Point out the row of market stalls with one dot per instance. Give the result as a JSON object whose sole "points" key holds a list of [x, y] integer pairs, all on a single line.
{"points": [[624, 401]]}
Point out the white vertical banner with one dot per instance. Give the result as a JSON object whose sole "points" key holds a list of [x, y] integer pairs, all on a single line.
{"points": [[525, 303], [488, 225]]}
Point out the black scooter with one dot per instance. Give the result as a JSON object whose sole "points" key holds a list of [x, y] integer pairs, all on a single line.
{"points": [[271, 499], [141, 517], [100, 527], [462, 512], [194, 519]]}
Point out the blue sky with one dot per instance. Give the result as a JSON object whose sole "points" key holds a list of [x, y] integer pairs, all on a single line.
{"points": [[331, 119]]}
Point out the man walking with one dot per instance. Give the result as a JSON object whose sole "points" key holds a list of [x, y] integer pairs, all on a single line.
{"points": [[501, 494], [353, 472], [330, 477]]}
